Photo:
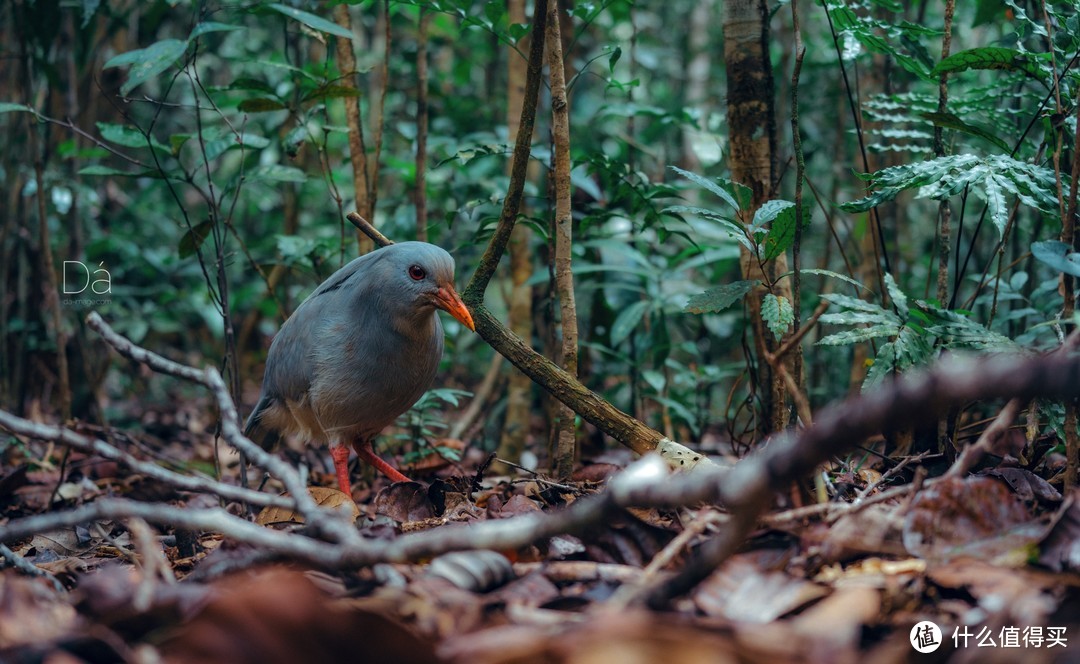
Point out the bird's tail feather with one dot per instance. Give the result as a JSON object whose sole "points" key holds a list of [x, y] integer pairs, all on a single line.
{"points": [[263, 436]]}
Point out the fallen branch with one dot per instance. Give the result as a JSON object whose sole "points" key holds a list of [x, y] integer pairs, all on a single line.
{"points": [[193, 483]]}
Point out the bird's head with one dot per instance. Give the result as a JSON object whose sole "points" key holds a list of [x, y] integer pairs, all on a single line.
{"points": [[424, 275]]}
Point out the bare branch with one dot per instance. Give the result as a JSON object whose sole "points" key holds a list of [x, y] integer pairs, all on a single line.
{"points": [[103, 449]]}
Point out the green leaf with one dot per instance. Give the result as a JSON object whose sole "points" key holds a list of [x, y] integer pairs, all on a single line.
{"points": [[707, 184], [627, 320], [212, 26], [312, 21], [148, 62], [860, 318], [614, 58], [194, 238], [898, 297], [1057, 255], [216, 147], [943, 177], [952, 121], [990, 57], [859, 334], [494, 10], [719, 298], [246, 83], [769, 211], [827, 273], [277, 173], [9, 107], [331, 92], [176, 142], [853, 303], [782, 231], [98, 169], [519, 30], [995, 202], [733, 229], [129, 137], [260, 105], [777, 313]]}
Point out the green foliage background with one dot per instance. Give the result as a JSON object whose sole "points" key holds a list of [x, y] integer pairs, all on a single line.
{"points": [[171, 139]]}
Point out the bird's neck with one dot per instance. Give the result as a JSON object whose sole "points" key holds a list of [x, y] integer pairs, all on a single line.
{"points": [[419, 325]]}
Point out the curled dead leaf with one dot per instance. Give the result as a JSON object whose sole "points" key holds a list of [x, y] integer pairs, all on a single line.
{"points": [[323, 496]]}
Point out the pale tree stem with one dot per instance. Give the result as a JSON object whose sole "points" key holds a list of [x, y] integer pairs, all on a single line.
{"points": [[563, 462], [357, 149]]}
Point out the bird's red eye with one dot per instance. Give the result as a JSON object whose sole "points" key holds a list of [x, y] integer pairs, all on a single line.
{"points": [[417, 272]]}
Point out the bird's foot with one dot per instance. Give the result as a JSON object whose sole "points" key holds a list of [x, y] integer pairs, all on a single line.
{"points": [[340, 455], [364, 451]]}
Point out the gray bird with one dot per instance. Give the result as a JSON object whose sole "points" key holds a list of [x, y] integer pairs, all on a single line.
{"points": [[358, 352]]}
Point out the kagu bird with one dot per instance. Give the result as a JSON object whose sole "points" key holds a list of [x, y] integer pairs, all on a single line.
{"points": [[358, 352]]}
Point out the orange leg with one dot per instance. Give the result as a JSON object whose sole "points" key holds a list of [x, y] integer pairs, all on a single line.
{"points": [[364, 451], [340, 455]]}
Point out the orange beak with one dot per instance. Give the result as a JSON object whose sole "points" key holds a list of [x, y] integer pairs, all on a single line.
{"points": [[447, 299]]}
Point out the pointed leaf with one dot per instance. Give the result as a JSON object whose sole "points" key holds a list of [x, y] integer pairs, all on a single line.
{"points": [[719, 298], [989, 57], [709, 185], [952, 121], [129, 137], [260, 105], [277, 173], [898, 297], [194, 238], [1057, 255], [148, 62], [9, 107], [212, 26], [777, 313], [627, 320], [312, 21]]}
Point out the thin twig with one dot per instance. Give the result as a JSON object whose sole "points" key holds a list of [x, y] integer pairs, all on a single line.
{"points": [[26, 567]]}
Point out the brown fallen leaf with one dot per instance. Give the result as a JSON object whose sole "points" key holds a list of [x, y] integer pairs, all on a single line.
{"points": [[31, 612], [323, 496], [977, 516], [1027, 485], [1019, 596], [405, 502], [277, 616], [741, 591], [1060, 550]]}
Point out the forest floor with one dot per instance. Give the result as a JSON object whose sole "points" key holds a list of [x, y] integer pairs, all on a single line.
{"points": [[990, 558]]}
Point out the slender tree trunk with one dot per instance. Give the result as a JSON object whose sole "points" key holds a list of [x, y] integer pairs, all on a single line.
{"points": [[421, 124], [752, 126], [51, 296], [563, 459], [520, 390], [357, 149], [1070, 236], [378, 113]]}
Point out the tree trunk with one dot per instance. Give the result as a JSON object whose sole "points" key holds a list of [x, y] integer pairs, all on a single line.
{"points": [[357, 149], [565, 447], [520, 390], [752, 162]]}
